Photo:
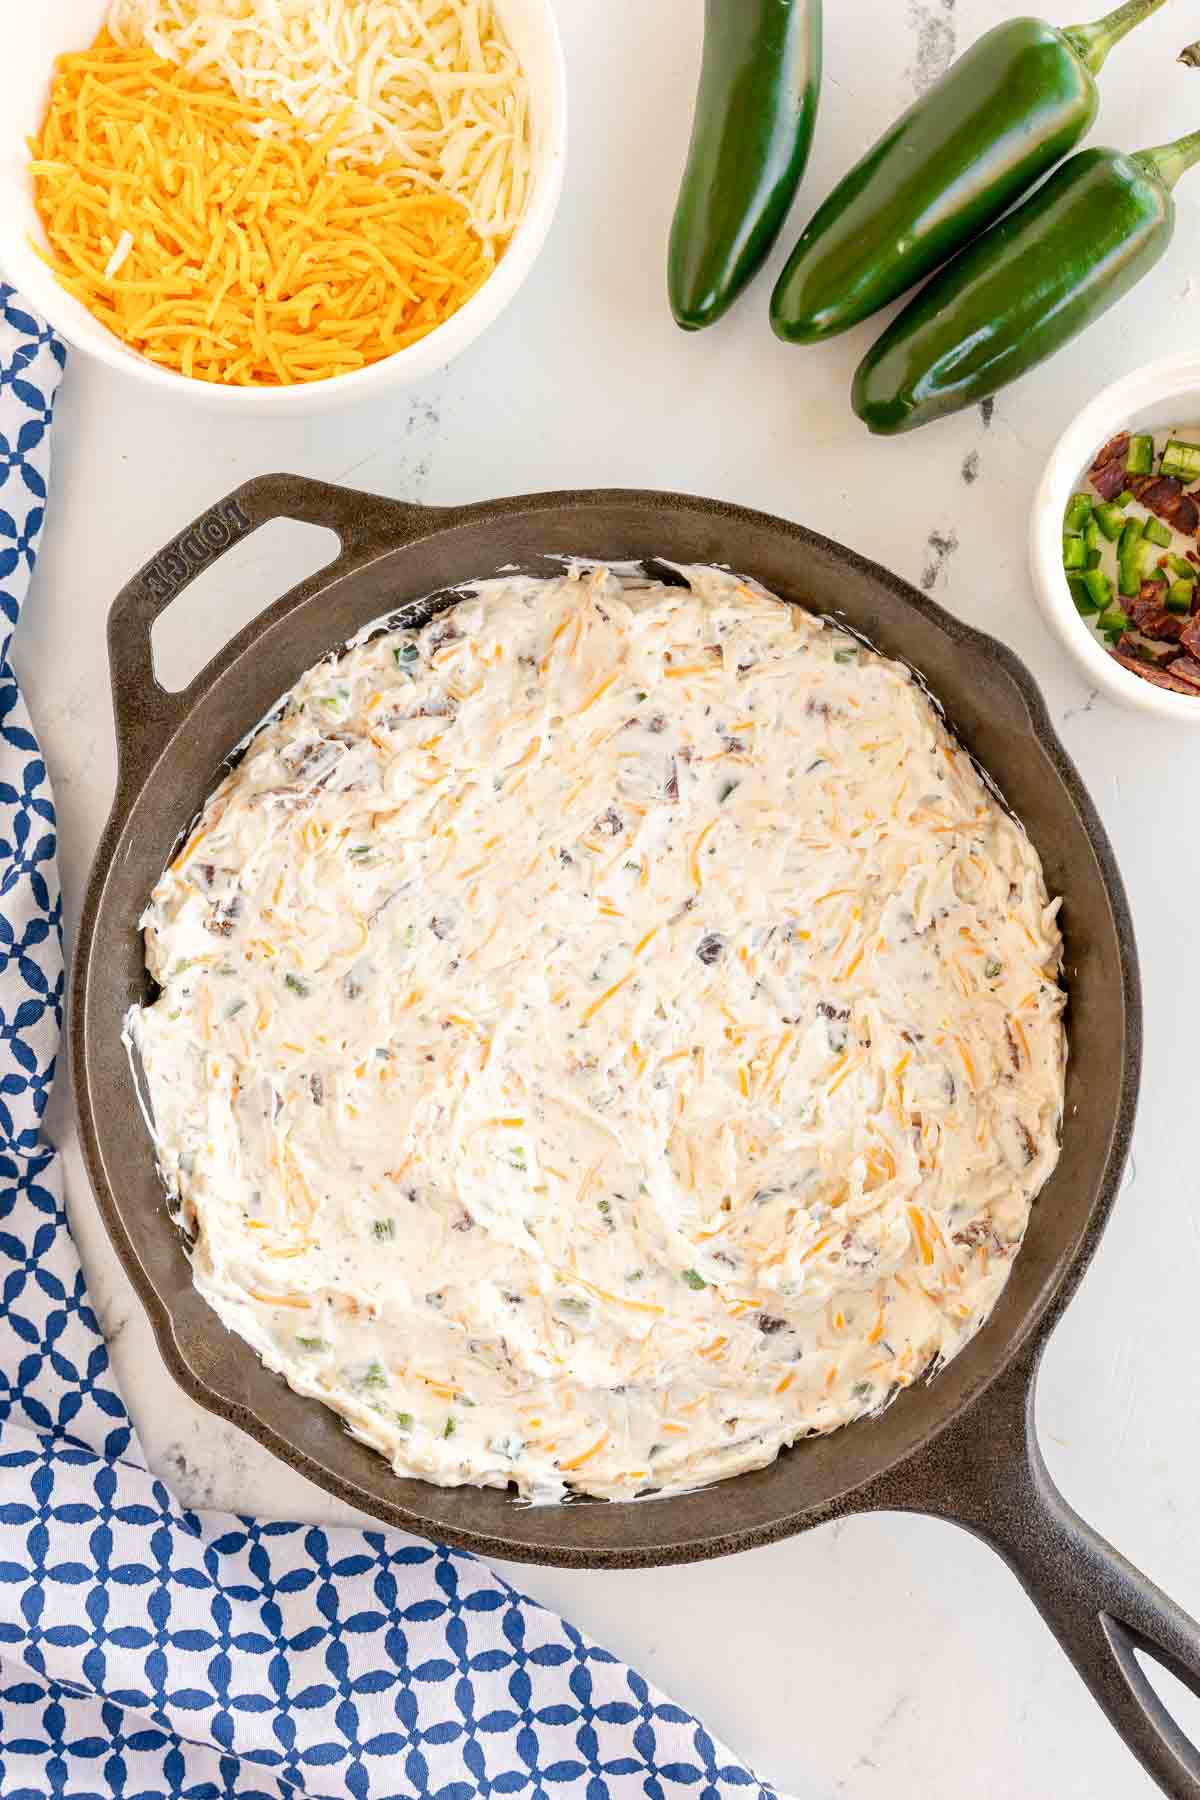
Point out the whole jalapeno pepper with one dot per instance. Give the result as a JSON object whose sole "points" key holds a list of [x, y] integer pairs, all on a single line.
{"points": [[1026, 287], [756, 107], [998, 119]]}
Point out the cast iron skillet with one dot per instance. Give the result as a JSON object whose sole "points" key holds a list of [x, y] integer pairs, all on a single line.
{"points": [[962, 1447]]}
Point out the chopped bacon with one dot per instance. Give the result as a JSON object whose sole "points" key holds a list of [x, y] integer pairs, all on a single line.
{"points": [[1187, 670], [978, 1234], [1107, 474], [1158, 653], [1164, 495], [1189, 637], [1162, 678], [1151, 617], [1157, 623]]}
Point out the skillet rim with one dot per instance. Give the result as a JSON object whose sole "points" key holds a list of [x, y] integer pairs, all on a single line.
{"points": [[407, 524]]}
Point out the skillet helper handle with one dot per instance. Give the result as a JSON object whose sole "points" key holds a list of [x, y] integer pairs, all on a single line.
{"points": [[146, 712], [988, 1474]]}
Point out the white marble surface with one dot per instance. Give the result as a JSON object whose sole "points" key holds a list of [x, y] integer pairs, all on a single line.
{"points": [[885, 1656]]}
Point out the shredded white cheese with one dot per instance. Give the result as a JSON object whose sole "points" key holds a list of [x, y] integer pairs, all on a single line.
{"points": [[116, 261], [435, 82]]}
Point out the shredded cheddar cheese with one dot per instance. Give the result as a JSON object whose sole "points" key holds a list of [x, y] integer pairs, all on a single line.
{"points": [[229, 257]]}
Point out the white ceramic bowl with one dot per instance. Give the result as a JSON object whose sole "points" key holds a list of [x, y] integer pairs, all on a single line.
{"points": [[1162, 394], [31, 36]]}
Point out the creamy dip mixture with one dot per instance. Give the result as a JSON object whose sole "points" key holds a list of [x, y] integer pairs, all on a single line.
{"points": [[604, 1036]]}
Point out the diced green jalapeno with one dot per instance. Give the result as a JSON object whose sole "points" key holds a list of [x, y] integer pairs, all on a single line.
{"points": [[1110, 519], [1099, 589], [1078, 513], [1130, 551], [1181, 460], [1079, 594]]}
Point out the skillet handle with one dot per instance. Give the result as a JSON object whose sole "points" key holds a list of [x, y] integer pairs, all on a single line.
{"points": [[987, 1474], [146, 712]]}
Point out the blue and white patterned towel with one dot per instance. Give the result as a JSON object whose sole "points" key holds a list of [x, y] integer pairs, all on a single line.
{"points": [[152, 1653]]}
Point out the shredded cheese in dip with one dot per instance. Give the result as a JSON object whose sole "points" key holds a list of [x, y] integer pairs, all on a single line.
{"points": [[604, 1036]]}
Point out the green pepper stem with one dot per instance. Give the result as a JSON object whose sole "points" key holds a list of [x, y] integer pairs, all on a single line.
{"points": [[1092, 43], [1170, 161]]}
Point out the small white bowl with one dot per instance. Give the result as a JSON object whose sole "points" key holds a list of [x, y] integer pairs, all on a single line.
{"points": [[30, 39], [1164, 393]]}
